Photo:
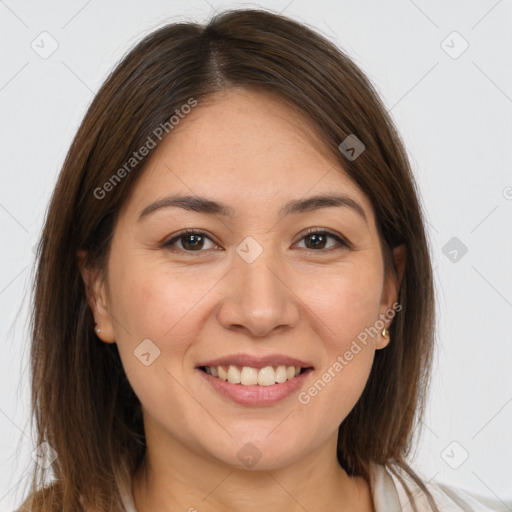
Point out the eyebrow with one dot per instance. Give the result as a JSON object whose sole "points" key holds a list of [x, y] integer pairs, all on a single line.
{"points": [[207, 206]]}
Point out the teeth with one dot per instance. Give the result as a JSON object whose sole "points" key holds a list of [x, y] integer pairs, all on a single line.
{"points": [[267, 376], [233, 375], [281, 374], [223, 374], [248, 376]]}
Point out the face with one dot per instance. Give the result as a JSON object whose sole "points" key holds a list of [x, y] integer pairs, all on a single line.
{"points": [[255, 286]]}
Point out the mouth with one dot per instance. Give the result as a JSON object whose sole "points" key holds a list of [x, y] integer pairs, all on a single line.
{"points": [[255, 387], [251, 376], [255, 380]]}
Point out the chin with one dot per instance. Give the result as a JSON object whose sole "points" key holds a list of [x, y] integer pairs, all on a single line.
{"points": [[257, 453]]}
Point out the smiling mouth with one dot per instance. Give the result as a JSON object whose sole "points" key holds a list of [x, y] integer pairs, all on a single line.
{"points": [[249, 376]]}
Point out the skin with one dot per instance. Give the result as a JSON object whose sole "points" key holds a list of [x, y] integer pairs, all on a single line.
{"points": [[253, 153]]}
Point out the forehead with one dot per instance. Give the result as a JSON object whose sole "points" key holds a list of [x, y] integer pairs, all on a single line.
{"points": [[247, 149]]}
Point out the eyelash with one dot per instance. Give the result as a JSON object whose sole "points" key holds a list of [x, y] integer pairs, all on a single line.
{"points": [[168, 244]]}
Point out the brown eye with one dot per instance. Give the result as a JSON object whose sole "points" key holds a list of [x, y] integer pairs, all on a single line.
{"points": [[190, 241], [319, 240]]}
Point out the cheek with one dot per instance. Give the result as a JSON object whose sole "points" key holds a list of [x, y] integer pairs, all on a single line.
{"points": [[348, 305], [162, 306], [151, 300], [348, 302], [154, 314]]}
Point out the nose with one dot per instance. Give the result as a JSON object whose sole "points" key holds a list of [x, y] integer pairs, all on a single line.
{"points": [[258, 297]]}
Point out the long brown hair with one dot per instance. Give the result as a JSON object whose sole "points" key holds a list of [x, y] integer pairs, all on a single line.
{"points": [[84, 407]]}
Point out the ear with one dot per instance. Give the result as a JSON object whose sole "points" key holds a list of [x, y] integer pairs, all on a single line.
{"points": [[96, 292], [390, 292]]}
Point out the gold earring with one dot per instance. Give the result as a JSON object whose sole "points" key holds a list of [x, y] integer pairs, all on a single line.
{"points": [[385, 333]]}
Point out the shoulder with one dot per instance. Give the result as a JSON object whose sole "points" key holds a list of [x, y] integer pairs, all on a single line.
{"points": [[393, 489]]}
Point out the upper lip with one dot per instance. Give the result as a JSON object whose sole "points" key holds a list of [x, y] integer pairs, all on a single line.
{"points": [[256, 361]]}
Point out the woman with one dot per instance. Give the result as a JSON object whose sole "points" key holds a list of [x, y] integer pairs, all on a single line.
{"points": [[234, 303]]}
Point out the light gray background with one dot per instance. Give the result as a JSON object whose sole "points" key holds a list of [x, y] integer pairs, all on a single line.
{"points": [[455, 117]]}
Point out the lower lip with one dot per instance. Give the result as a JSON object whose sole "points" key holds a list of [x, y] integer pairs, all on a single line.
{"points": [[256, 395]]}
